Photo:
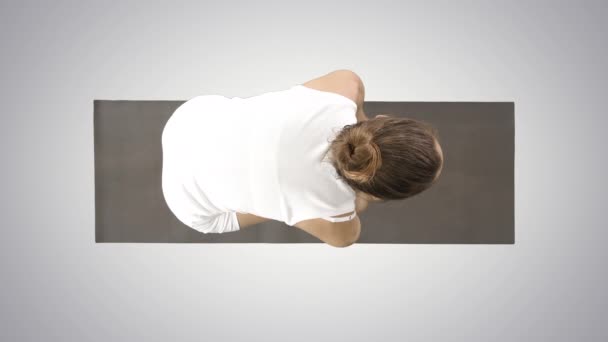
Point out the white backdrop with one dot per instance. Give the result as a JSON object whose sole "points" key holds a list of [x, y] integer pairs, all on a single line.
{"points": [[58, 285]]}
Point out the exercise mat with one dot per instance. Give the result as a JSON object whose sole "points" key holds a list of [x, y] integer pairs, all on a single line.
{"points": [[472, 203]]}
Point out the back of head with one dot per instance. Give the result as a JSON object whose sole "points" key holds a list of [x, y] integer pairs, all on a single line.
{"points": [[387, 157]]}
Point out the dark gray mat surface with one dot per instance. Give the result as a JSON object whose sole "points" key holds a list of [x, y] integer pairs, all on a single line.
{"points": [[472, 203]]}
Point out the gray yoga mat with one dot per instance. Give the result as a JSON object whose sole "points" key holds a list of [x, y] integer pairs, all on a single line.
{"points": [[472, 203]]}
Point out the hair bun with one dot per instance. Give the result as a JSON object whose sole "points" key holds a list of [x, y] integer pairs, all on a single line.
{"points": [[410, 162], [360, 156]]}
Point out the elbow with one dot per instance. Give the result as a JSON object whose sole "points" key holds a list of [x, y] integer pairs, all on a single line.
{"points": [[347, 240], [350, 74], [353, 79], [340, 245]]}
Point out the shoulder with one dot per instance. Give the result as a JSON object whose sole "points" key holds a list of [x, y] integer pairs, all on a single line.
{"points": [[344, 82]]}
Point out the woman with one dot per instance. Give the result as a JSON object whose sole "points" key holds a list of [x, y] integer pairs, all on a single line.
{"points": [[307, 156]]}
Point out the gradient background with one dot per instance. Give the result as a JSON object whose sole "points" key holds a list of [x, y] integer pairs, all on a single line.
{"points": [[58, 285]]}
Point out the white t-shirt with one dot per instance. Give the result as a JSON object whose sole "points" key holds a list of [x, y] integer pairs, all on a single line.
{"points": [[265, 155]]}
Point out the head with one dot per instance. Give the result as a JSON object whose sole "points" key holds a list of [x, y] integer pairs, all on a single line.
{"points": [[388, 158]]}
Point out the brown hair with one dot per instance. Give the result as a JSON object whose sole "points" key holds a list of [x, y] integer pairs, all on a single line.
{"points": [[387, 157]]}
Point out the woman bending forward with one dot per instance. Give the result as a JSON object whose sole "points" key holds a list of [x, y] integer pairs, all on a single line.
{"points": [[307, 156]]}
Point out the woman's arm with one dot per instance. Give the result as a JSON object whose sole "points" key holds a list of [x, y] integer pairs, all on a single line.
{"points": [[343, 82], [246, 220], [360, 100], [336, 234]]}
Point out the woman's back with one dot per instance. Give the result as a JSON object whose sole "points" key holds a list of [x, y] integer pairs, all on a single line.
{"points": [[264, 155]]}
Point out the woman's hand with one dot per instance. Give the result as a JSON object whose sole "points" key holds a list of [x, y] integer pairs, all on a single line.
{"points": [[361, 115], [360, 204]]}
